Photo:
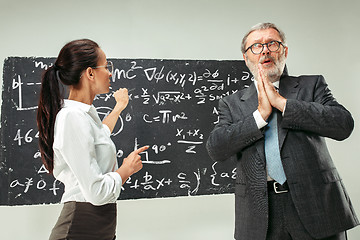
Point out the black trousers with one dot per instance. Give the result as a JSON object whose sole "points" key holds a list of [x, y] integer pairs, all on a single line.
{"points": [[84, 221], [284, 222]]}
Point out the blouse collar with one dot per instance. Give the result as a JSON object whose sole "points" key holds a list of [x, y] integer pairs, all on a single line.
{"points": [[89, 109]]}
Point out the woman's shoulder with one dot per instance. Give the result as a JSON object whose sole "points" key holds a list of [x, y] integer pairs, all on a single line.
{"points": [[71, 107], [71, 113]]}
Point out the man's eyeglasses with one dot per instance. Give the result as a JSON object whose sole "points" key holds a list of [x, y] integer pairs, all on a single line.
{"points": [[109, 66], [257, 48]]}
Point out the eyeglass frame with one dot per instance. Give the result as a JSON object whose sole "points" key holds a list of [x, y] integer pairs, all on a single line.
{"points": [[263, 44], [109, 64]]}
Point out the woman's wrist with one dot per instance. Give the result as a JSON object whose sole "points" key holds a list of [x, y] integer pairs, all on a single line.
{"points": [[124, 172]]}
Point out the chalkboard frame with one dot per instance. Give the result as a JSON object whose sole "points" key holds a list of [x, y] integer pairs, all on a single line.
{"points": [[165, 84]]}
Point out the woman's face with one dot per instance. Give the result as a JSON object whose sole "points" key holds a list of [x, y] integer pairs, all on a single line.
{"points": [[102, 74]]}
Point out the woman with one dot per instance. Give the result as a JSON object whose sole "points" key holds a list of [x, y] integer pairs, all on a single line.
{"points": [[76, 146]]}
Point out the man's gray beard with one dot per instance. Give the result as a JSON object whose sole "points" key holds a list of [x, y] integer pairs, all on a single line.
{"points": [[274, 74]]}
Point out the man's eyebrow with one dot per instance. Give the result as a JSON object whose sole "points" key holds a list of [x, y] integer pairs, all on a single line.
{"points": [[267, 40]]}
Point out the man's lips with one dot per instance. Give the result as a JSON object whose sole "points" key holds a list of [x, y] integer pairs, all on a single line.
{"points": [[266, 61]]}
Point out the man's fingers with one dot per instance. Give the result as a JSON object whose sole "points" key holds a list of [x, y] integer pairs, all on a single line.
{"points": [[267, 85], [260, 86], [261, 72]]}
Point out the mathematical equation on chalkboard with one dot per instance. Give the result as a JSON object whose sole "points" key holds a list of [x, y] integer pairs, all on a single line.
{"points": [[172, 108]]}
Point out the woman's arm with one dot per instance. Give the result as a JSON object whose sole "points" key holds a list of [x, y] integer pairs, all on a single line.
{"points": [[132, 163], [122, 99]]}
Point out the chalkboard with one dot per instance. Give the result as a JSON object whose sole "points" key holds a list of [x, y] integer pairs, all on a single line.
{"points": [[172, 108]]}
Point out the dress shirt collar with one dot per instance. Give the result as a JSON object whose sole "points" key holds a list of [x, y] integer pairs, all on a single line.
{"points": [[72, 103], [276, 84], [89, 109]]}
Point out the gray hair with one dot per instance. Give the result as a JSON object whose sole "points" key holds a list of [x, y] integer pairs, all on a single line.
{"points": [[262, 26]]}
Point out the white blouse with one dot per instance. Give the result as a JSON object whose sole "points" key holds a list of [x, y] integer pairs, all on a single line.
{"points": [[85, 156]]}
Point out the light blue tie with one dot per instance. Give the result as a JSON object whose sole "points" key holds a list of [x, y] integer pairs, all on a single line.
{"points": [[272, 150]]}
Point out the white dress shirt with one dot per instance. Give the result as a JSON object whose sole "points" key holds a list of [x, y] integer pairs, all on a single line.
{"points": [[85, 156]]}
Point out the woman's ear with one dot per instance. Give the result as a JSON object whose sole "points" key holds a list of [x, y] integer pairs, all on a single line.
{"points": [[89, 72]]}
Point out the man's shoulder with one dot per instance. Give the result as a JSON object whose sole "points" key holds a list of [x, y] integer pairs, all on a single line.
{"points": [[305, 79], [238, 94]]}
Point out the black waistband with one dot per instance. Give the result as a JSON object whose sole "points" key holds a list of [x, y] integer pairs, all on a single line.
{"points": [[276, 187]]}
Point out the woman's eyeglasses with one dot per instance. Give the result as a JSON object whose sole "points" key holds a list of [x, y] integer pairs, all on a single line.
{"points": [[109, 66]]}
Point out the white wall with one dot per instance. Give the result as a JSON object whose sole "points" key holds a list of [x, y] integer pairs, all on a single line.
{"points": [[322, 36]]}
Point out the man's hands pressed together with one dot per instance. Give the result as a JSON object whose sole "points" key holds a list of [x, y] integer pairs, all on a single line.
{"points": [[268, 97]]}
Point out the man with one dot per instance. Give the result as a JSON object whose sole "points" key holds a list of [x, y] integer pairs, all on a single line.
{"points": [[287, 186]]}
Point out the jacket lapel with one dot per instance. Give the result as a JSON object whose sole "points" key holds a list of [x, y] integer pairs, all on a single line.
{"points": [[250, 99], [288, 89]]}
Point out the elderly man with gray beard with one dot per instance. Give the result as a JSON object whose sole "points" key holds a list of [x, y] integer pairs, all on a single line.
{"points": [[287, 186]]}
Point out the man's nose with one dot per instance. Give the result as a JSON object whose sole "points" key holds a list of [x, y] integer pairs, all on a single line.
{"points": [[265, 50]]}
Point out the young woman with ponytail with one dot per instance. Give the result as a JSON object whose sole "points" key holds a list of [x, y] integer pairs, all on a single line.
{"points": [[75, 145]]}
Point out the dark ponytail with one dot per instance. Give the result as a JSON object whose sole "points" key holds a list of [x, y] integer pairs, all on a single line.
{"points": [[73, 59]]}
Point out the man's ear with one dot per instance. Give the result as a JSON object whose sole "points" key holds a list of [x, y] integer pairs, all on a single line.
{"points": [[286, 51], [244, 56]]}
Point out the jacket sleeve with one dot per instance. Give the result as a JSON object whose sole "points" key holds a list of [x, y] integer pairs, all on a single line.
{"points": [[230, 137], [323, 115]]}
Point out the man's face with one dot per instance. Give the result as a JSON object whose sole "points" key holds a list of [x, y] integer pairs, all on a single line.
{"points": [[273, 63]]}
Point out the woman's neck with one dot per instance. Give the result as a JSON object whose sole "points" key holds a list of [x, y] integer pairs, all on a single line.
{"points": [[81, 96]]}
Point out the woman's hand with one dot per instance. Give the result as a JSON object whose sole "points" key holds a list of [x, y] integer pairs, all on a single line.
{"points": [[122, 98], [132, 164]]}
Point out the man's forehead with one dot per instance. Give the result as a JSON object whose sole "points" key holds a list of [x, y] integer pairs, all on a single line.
{"points": [[263, 35]]}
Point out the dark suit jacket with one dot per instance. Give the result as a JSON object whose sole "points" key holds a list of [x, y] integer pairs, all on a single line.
{"points": [[316, 188]]}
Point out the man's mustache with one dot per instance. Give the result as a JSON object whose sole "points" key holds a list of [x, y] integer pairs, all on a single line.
{"points": [[267, 58]]}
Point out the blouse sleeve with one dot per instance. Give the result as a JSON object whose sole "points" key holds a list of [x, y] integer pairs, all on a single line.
{"points": [[77, 147]]}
